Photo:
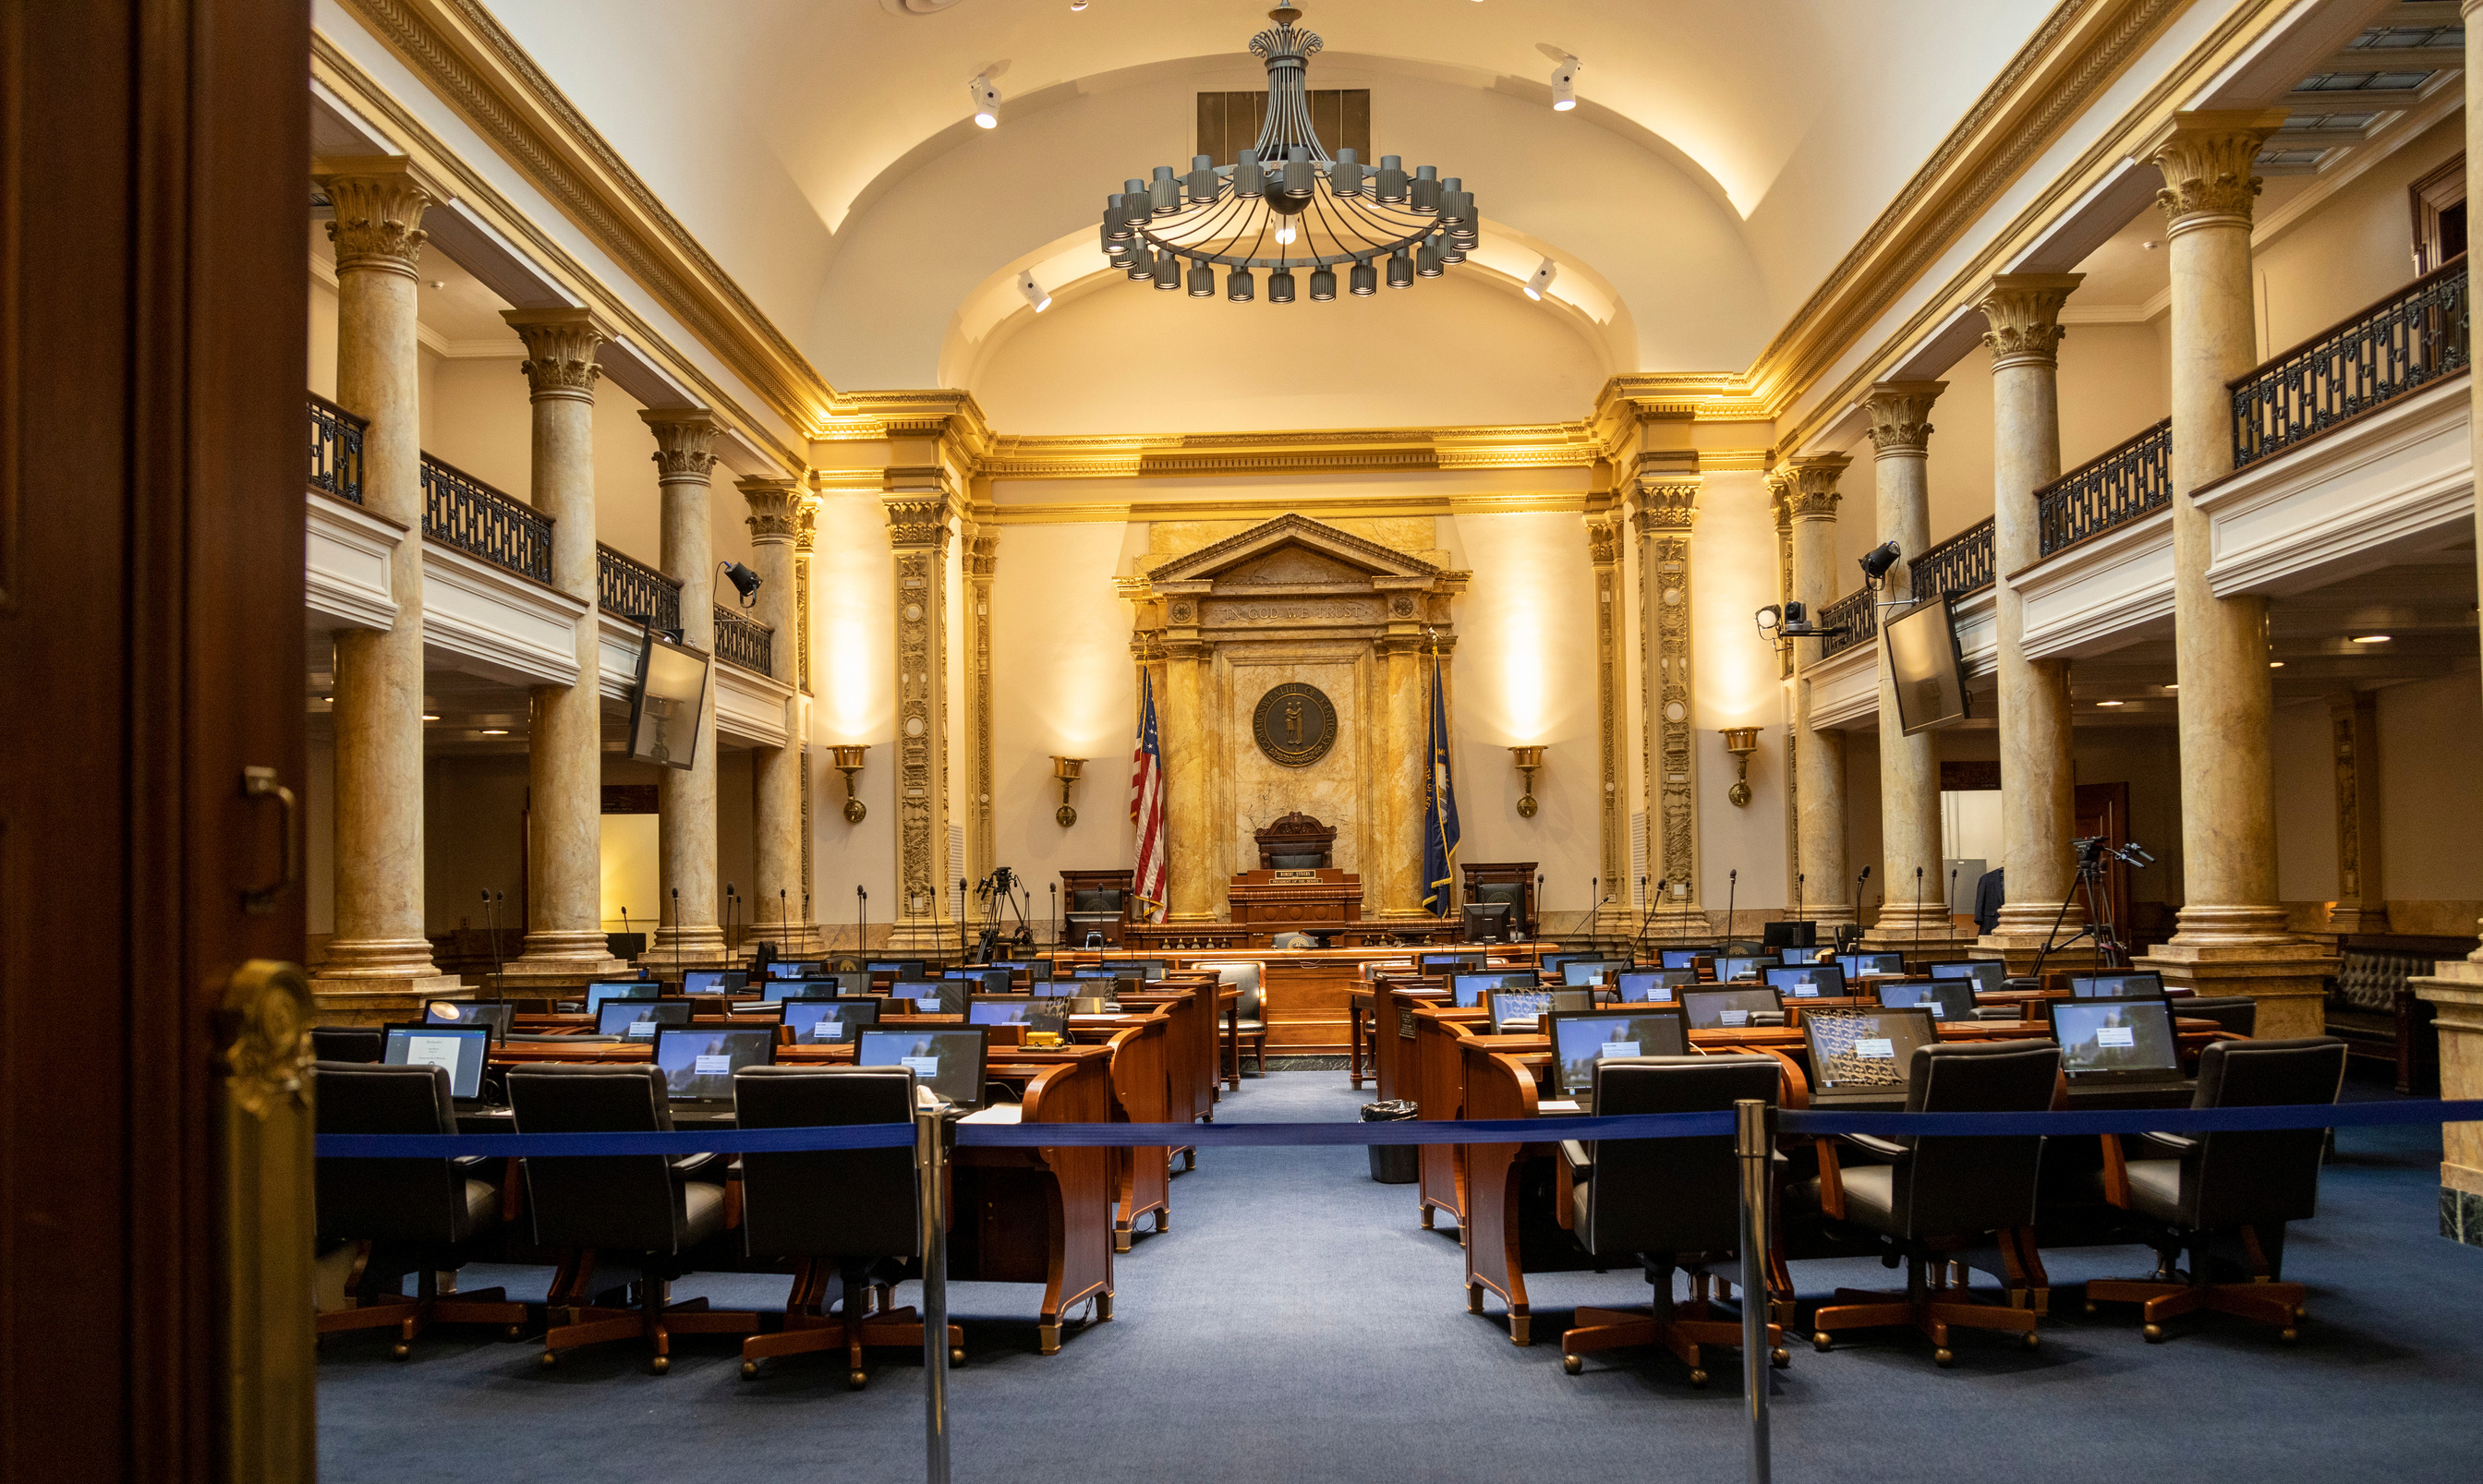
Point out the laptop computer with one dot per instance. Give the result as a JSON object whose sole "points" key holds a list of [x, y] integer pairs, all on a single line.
{"points": [[720, 981], [2117, 1044], [1731, 968], [636, 1020], [851, 984], [2123, 984], [902, 969], [1730, 1009], [1588, 970], [828, 1021], [1451, 962], [494, 1018], [1641, 985], [698, 1062], [1581, 1038], [948, 1064], [1806, 981], [603, 990], [461, 1048], [931, 996], [1055, 989], [1857, 965], [1466, 991], [1514, 1012], [1990, 976], [1052, 1014], [1864, 1055], [1947, 999], [1685, 957], [790, 968]]}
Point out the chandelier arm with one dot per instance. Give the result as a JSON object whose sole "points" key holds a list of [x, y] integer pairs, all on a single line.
{"points": [[1345, 211], [1211, 219]]}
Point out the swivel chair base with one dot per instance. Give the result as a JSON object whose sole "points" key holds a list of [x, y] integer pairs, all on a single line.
{"points": [[1681, 1328], [1922, 1306], [809, 1328], [428, 1306], [2280, 1303], [656, 1318]]}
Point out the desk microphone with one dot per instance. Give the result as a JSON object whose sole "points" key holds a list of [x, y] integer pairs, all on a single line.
{"points": [[1660, 884], [499, 966], [677, 931], [862, 929], [732, 900], [624, 929], [1950, 905], [1732, 892], [1595, 882]]}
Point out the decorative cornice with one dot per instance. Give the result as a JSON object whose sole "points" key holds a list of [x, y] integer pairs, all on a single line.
{"points": [[1900, 413], [2205, 158], [1667, 508], [683, 437], [560, 351], [775, 509], [2024, 310], [917, 521], [1810, 493], [378, 200]]}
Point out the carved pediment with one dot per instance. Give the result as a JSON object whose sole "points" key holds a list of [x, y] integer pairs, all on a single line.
{"points": [[1294, 549]]}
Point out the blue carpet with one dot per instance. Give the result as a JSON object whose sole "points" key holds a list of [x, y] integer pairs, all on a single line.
{"points": [[1298, 1324]]}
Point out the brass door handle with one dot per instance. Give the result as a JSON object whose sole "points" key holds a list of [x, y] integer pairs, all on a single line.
{"points": [[259, 784]]}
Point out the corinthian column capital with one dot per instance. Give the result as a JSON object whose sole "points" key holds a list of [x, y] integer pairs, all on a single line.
{"points": [[684, 437], [1900, 413], [378, 200], [1667, 507], [2205, 158], [1810, 494], [917, 519], [775, 509], [560, 351], [2024, 310]]}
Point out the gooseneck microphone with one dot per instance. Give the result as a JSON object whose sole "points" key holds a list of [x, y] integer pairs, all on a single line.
{"points": [[1732, 893], [499, 964], [862, 929], [676, 932], [1644, 917]]}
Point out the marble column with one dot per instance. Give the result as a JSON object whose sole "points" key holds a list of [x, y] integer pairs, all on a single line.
{"points": [[1405, 678], [2229, 937], [380, 960], [1818, 756], [2037, 780], [1615, 912], [565, 750], [1666, 510], [780, 908], [1195, 870], [2362, 904], [918, 534], [685, 797], [2455, 988], [1916, 912]]}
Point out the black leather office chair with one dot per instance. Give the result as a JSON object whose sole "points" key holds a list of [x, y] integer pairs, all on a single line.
{"points": [[349, 1042], [654, 1209], [1671, 1203], [2249, 1184], [418, 1215], [1937, 1195], [853, 1215], [2237, 1013]]}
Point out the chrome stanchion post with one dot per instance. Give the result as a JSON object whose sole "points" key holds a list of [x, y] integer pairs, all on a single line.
{"points": [[1750, 1147], [930, 1161]]}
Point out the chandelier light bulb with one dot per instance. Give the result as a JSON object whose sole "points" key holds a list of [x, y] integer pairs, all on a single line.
{"points": [[986, 97], [1541, 283], [1285, 234], [1036, 293]]}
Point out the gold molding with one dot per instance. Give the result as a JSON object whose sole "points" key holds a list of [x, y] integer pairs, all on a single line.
{"points": [[1265, 507]]}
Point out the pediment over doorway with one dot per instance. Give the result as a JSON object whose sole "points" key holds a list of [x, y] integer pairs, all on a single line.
{"points": [[1293, 575], [1295, 548]]}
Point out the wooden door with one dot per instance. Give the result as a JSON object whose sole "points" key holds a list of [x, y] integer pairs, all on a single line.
{"points": [[153, 187], [2104, 810]]}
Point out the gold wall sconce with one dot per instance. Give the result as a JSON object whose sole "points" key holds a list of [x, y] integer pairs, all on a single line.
{"points": [[1528, 759], [1741, 742], [849, 762], [1066, 769]]}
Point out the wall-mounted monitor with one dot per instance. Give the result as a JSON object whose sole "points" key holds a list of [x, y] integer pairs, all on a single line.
{"points": [[665, 702], [1925, 673]]}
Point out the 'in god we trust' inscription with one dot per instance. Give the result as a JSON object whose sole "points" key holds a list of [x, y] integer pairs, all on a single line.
{"points": [[1295, 724]]}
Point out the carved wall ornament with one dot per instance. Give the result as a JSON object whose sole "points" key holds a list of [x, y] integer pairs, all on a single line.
{"points": [[916, 520], [1668, 506], [1183, 613], [1402, 606], [775, 508], [378, 220], [2023, 313], [684, 437], [1294, 724], [267, 1006], [1603, 541], [1900, 413]]}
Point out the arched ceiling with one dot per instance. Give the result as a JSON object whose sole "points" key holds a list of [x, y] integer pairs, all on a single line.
{"points": [[777, 129]]}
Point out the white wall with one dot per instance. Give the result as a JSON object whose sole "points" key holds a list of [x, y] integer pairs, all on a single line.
{"points": [[1736, 682]]}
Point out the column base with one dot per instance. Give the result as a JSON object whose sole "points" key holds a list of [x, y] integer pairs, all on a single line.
{"points": [[2343, 919], [574, 955], [2017, 939], [921, 938], [2243, 951], [1914, 927], [1677, 923], [2455, 990], [381, 1001], [792, 940]]}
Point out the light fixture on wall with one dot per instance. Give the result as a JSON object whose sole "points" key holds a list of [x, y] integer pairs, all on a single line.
{"points": [[986, 95], [1541, 283], [1066, 769], [1741, 742], [1036, 293], [1285, 204], [744, 581], [1565, 76], [848, 761], [1780, 626], [1528, 760]]}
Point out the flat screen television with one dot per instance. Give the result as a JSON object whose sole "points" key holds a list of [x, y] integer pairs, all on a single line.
{"points": [[665, 702], [1925, 673]]}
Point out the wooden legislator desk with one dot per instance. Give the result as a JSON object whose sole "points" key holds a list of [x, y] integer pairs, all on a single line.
{"points": [[1308, 993]]}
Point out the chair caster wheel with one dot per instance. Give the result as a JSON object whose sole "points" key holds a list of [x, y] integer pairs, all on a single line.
{"points": [[749, 1369], [856, 1380], [1573, 1364], [1779, 1357], [2155, 1333], [2288, 1334], [548, 1360], [1699, 1378], [956, 1355], [2033, 1341], [1944, 1358], [1819, 1341], [660, 1365], [398, 1352], [2301, 1311]]}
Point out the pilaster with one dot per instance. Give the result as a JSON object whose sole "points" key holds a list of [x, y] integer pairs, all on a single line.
{"points": [[1667, 507], [918, 505], [980, 560], [2362, 904], [1614, 912], [780, 908]]}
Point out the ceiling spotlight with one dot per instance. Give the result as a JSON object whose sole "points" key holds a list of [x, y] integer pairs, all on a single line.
{"points": [[1877, 561], [439, 283], [2276, 664], [1769, 617], [2174, 686], [1034, 292], [1565, 76], [744, 581], [1541, 283], [986, 99], [2371, 638]]}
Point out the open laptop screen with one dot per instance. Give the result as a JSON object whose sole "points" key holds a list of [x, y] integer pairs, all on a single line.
{"points": [[1807, 981], [1809, 953], [931, 996], [1683, 958], [1640, 985], [1468, 990], [1990, 976], [948, 1062], [1856, 965], [2114, 1040], [1730, 967], [619, 989], [1514, 1012], [1947, 999], [1052, 1014], [637, 1019], [2137, 984], [1580, 1038], [902, 968], [1587, 971], [461, 1048], [1473, 963], [1055, 989], [1865, 1051], [699, 1061], [828, 1021], [1727, 1009], [493, 1018], [789, 968], [718, 981]]}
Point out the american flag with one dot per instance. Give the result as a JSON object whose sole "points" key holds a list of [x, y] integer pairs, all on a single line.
{"points": [[1147, 806]]}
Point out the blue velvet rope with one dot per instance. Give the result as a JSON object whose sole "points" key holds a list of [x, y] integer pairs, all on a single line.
{"points": [[1636, 1126]]}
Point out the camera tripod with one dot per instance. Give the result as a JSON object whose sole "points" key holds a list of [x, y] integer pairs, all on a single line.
{"points": [[2094, 856]]}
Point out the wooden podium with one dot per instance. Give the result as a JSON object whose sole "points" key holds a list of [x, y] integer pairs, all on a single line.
{"points": [[1318, 900]]}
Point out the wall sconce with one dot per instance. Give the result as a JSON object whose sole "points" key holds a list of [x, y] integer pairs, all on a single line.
{"points": [[1066, 769], [1741, 742], [849, 762], [1528, 759]]}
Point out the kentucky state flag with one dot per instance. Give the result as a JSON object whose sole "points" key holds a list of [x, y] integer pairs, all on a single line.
{"points": [[1440, 833]]}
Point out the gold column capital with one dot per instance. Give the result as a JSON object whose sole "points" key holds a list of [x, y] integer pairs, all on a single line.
{"points": [[684, 437], [1900, 413], [775, 508], [2205, 155], [982, 555], [1667, 506], [1604, 539], [1810, 491], [2023, 313], [917, 519], [560, 351], [378, 200]]}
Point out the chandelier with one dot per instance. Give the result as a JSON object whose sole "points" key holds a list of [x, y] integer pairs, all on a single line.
{"points": [[1285, 205]]}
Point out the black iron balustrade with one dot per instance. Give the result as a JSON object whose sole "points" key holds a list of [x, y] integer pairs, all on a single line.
{"points": [[1957, 566], [2124, 484], [633, 589], [460, 511], [1852, 613], [335, 450], [2397, 346], [745, 641]]}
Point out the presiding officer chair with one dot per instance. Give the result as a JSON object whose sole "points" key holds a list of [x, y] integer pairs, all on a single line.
{"points": [[1670, 1202], [852, 1214], [1938, 1195], [2246, 1182], [652, 1208], [419, 1215]]}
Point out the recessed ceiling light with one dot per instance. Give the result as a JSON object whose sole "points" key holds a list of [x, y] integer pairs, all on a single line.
{"points": [[2112, 703], [495, 731], [2174, 686], [2371, 638], [2276, 664], [439, 283], [431, 716]]}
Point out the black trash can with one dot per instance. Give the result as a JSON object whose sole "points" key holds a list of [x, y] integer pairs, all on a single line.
{"points": [[1393, 1164]]}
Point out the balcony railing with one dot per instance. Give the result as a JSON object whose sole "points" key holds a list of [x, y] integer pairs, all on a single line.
{"points": [[335, 450], [1957, 566], [2399, 345], [745, 641], [2126, 483], [633, 589], [460, 511], [1852, 613]]}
